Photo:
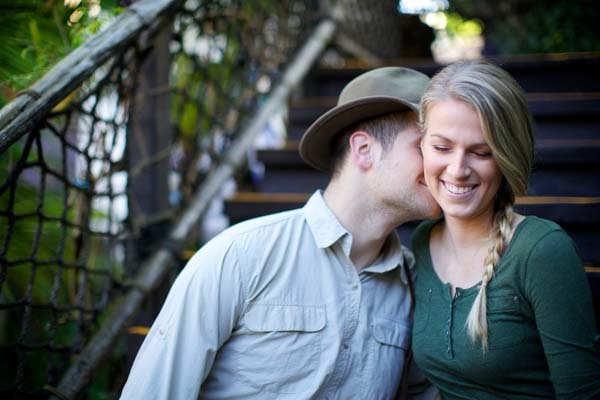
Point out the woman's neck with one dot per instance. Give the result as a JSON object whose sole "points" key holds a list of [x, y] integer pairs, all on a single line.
{"points": [[467, 232], [459, 248]]}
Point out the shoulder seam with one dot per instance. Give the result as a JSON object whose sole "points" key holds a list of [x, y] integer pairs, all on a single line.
{"points": [[533, 247], [296, 213]]}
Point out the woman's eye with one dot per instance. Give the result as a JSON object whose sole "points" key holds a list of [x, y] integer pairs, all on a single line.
{"points": [[483, 154], [440, 148]]}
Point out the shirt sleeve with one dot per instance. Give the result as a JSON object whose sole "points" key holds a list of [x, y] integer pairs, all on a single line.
{"points": [[198, 316], [559, 293], [419, 387]]}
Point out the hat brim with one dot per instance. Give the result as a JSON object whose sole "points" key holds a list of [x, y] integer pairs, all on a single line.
{"points": [[315, 146]]}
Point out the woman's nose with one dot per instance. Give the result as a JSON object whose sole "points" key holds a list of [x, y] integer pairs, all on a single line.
{"points": [[458, 166]]}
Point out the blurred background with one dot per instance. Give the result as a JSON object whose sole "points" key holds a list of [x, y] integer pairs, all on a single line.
{"points": [[131, 132]]}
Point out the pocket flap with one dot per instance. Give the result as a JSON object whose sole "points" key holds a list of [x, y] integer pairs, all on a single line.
{"points": [[269, 317], [502, 304], [390, 332]]}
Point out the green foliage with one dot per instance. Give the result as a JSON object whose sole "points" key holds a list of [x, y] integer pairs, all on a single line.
{"points": [[46, 250], [24, 55], [458, 26], [36, 34], [559, 26], [198, 91], [529, 26]]}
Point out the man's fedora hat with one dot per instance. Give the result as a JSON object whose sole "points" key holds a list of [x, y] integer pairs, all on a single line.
{"points": [[377, 92]]}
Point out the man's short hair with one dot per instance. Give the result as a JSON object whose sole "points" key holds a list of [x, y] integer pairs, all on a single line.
{"points": [[384, 128]]}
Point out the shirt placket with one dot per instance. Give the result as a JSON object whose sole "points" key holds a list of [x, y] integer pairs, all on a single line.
{"points": [[450, 322], [352, 298]]}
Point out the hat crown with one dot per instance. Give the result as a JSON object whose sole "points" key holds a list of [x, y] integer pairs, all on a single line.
{"points": [[394, 82], [374, 93]]}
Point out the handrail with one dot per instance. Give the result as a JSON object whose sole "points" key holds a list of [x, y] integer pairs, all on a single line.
{"points": [[23, 113], [156, 268]]}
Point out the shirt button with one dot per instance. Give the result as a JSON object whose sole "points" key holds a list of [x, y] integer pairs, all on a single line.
{"points": [[354, 287], [345, 346]]}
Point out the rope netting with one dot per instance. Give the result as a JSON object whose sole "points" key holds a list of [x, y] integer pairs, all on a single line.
{"points": [[382, 30], [71, 201]]}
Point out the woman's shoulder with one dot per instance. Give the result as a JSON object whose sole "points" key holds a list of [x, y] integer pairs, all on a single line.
{"points": [[534, 229], [537, 237], [532, 223]]}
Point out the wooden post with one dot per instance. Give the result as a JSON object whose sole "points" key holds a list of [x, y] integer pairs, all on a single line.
{"points": [[149, 137]]}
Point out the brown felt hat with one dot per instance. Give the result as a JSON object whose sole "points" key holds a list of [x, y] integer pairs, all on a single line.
{"points": [[377, 92]]}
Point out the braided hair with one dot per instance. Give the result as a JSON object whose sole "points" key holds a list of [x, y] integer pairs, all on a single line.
{"points": [[506, 123]]}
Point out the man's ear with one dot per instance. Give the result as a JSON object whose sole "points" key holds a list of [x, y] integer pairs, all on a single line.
{"points": [[361, 149]]}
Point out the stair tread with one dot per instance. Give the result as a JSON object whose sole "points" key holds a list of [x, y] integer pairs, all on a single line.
{"points": [[303, 197], [579, 151]]}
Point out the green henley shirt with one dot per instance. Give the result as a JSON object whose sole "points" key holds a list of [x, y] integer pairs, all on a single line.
{"points": [[542, 332]]}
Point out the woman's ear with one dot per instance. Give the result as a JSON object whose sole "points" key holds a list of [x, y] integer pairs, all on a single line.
{"points": [[361, 149]]}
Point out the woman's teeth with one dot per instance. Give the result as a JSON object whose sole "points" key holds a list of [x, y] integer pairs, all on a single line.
{"points": [[457, 189]]}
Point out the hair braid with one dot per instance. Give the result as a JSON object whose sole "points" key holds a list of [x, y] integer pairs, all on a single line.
{"points": [[507, 128], [501, 230]]}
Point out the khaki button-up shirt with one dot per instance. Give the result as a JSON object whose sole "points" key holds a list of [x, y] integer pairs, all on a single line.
{"points": [[273, 308]]}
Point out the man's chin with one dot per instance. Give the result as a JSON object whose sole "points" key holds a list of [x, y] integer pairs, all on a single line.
{"points": [[436, 212], [431, 209]]}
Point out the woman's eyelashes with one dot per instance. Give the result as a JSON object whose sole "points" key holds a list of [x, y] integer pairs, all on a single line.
{"points": [[438, 147], [483, 153]]}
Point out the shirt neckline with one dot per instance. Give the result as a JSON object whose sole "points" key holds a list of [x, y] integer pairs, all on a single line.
{"points": [[474, 288], [327, 230]]}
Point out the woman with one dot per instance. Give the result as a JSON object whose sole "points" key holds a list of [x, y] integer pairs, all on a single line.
{"points": [[503, 308]]}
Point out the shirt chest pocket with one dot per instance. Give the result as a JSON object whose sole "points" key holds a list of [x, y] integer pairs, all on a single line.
{"points": [[390, 333], [280, 351], [505, 321], [391, 340]]}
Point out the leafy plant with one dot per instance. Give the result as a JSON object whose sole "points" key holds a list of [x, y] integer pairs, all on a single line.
{"points": [[36, 34], [528, 26]]}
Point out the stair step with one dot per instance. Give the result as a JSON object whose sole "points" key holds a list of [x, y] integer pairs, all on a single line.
{"points": [[579, 216], [541, 104], [555, 116], [543, 182], [563, 167], [566, 72], [549, 152]]}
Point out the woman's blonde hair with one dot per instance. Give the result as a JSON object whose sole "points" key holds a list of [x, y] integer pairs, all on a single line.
{"points": [[506, 123]]}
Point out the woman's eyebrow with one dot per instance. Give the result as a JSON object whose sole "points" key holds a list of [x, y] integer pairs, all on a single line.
{"points": [[440, 136], [479, 144]]}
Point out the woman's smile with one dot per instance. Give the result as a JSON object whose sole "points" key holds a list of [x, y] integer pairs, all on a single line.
{"points": [[459, 168], [458, 190]]}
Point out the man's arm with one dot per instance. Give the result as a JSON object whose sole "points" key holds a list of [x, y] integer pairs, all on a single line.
{"points": [[200, 312], [419, 388]]}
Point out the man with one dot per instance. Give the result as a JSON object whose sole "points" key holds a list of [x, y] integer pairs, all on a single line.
{"points": [[314, 302]]}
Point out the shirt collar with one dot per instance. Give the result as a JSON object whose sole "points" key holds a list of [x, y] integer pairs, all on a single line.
{"points": [[393, 256], [323, 224], [327, 230]]}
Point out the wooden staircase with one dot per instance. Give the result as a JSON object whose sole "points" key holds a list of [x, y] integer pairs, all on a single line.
{"points": [[564, 97]]}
